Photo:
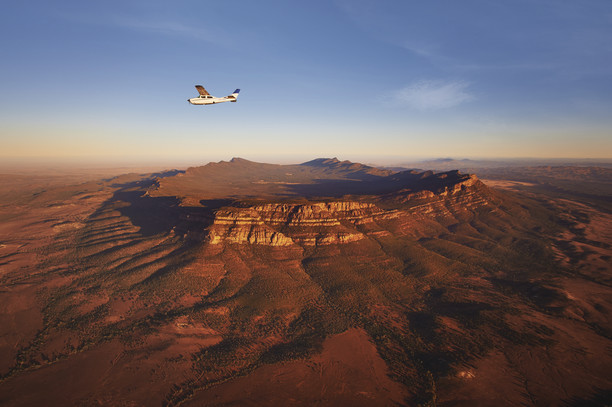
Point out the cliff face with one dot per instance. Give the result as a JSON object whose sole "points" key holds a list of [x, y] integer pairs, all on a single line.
{"points": [[469, 193], [244, 225], [341, 222], [282, 224]]}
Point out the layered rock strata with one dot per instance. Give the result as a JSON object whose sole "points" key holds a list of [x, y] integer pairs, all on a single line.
{"points": [[338, 222], [282, 224]]}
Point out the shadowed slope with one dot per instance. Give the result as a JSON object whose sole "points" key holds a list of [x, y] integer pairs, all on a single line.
{"points": [[321, 178]]}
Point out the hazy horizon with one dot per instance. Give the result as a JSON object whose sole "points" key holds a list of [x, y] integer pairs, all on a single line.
{"points": [[17, 164]]}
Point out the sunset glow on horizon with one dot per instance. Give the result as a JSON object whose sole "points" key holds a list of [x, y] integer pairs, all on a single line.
{"points": [[353, 79]]}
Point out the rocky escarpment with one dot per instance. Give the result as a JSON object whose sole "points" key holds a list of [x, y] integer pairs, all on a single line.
{"points": [[340, 222], [283, 224], [320, 202], [468, 193]]}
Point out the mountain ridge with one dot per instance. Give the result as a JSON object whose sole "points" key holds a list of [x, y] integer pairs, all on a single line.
{"points": [[361, 194], [323, 177]]}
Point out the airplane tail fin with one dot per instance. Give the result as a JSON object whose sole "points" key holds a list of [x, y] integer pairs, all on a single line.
{"points": [[235, 95]]}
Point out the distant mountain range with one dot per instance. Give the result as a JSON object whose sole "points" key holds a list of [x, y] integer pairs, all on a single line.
{"points": [[466, 164]]}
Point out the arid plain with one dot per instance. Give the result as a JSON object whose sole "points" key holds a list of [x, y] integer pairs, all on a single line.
{"points": [[327, 283]]}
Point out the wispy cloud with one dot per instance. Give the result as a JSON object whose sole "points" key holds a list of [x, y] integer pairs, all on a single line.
{"points": [[155, 25], [423, 49], [167, 28], [434, 94]]}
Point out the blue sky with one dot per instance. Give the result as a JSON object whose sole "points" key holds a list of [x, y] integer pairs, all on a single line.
{"points": [[357, 79]]}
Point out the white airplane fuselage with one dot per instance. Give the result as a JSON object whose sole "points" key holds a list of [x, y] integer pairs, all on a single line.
{"points": [[210, 100]]}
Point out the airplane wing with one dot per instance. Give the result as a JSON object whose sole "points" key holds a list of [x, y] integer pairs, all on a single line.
{"points": [[202, 91]]}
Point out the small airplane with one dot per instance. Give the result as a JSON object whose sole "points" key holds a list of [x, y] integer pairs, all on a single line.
{"points": [[206, 99]]}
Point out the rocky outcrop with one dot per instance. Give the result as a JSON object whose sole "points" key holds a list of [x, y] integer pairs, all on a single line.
{"points": [[318, 214], [283, 224], [469, 184], [341, 222], [244, 225], [449, 202]]}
